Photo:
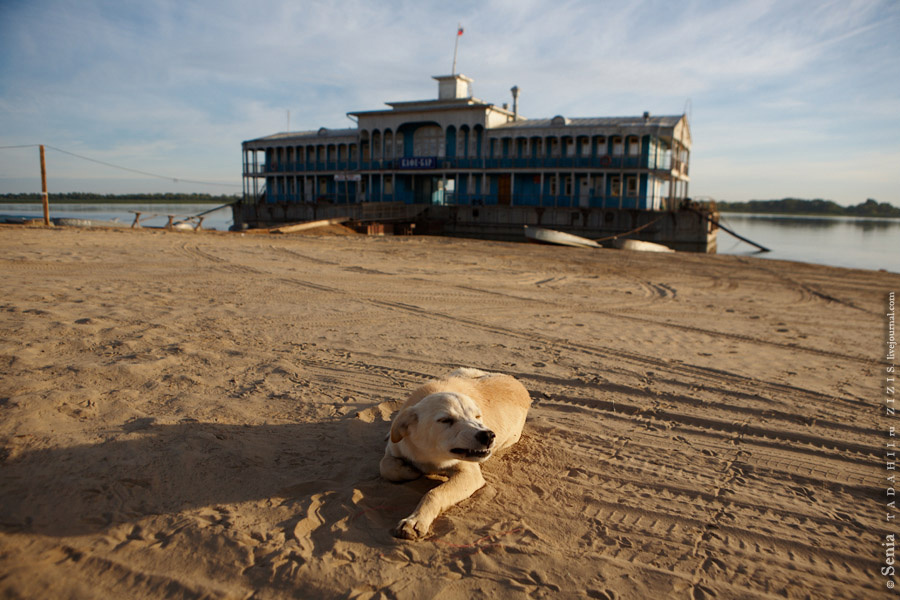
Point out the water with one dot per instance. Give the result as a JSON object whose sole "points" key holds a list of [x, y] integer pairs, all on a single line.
{"points": [[837, 241], [124, 213]]}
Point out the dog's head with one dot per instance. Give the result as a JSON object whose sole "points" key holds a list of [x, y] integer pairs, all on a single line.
{"points": [[442, 427]]}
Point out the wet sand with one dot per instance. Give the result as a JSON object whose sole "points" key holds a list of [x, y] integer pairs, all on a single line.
{"points": [[202, 416]]}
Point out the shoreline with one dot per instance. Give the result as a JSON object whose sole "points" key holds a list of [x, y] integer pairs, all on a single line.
{"points": [[749, 254], [811, 216], [190, 414]]}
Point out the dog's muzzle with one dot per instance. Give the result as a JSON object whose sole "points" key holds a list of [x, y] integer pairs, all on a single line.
{"points": [[485, 437]]}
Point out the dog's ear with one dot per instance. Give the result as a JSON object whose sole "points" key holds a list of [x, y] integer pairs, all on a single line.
{"points": [[404, 419]]}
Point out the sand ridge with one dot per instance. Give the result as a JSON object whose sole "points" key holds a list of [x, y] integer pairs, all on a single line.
{"points": [[202, 415]]}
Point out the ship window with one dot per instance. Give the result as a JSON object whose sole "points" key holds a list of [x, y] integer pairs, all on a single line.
{"points": [[388, 144], [634, 146], [376, 145], [553, 147], [428, 140], [584, 147], [615, 186], [617, 146]]}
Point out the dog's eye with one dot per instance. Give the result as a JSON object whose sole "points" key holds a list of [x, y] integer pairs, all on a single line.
{"points": [[447, 420]]}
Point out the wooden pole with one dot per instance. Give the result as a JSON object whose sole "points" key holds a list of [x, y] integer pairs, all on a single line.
{"points": [[44, 199]]}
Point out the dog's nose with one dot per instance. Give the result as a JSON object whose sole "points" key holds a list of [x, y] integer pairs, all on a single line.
{"points": [[485, 436]]}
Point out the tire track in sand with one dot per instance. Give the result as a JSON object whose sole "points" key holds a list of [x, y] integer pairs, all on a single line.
{"points": [[653, 291], [678, 369], [648, 494]]}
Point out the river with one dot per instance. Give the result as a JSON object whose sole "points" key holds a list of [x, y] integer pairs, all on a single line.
{"points": [[124, 213], [838, 241]]}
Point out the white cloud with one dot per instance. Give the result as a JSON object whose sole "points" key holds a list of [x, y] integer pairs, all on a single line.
{"points": [[176, 87]]}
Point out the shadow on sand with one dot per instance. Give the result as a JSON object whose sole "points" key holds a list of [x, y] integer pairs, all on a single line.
{"points": [[151, 469]]}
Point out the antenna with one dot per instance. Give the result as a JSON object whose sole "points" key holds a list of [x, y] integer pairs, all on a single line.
{"points": [[688, 110], [288, 120]]}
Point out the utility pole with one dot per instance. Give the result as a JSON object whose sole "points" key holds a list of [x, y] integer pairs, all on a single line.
{"points": [[44, 199]]}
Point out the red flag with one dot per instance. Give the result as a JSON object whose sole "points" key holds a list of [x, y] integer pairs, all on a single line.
{"points": [[460, 32]]}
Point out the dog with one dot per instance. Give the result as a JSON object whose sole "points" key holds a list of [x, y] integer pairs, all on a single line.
{"points": [[448, 427]]}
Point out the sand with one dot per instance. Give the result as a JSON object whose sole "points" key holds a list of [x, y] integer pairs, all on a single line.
{"points": [[201, 415]]}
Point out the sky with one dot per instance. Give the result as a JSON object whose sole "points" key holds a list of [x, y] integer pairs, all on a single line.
{"points": [[785, 98]]}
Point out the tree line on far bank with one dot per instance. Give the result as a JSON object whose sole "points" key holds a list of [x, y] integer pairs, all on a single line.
{"points": [[797, 206], [91, 198], [785, 206]]}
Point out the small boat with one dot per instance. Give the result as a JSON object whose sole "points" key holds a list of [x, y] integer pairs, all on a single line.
{"points": [[641, 246], [560, 238], [72, 222]]}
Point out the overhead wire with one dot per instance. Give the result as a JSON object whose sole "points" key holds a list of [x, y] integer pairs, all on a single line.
{"points": [[121, 168]]}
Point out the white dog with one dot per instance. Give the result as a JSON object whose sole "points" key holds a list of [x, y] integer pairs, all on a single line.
{"points": [[447, 427]]}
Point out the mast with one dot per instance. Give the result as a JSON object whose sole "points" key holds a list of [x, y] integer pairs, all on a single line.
{"points": [[459, 32]]}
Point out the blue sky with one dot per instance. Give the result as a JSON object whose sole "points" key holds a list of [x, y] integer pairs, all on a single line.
{"points": [[786, 98]]}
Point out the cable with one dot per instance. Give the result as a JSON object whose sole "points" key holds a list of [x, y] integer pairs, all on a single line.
{"points": [[106, 164], [175, 179]]}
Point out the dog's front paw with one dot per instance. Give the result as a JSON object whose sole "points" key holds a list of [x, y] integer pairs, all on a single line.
{"points": [[410, 528]]}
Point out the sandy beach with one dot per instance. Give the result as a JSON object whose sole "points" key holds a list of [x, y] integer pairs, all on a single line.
{"points": [[201, 415]]}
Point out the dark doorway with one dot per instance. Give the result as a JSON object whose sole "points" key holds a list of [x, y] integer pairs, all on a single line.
{"points": [[504, 190], [425, 186]]}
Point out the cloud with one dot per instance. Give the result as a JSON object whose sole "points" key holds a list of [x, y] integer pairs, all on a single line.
{"points": [[177, 86]]}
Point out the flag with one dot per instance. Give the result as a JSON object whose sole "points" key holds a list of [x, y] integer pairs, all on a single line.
{"points": [[459, 31]]}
